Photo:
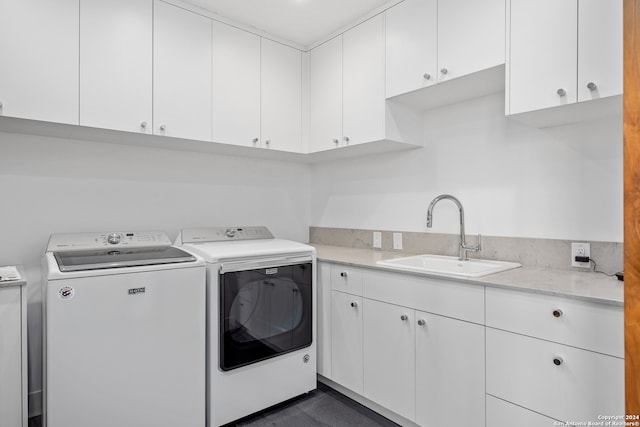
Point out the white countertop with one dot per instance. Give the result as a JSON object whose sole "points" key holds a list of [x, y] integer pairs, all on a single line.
{"points": [[586, 285]]}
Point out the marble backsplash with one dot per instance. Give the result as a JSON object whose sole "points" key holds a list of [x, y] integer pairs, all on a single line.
{"points": [[542, 253]]}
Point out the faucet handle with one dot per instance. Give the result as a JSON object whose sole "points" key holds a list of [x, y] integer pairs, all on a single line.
{"points": [[476, 248]]}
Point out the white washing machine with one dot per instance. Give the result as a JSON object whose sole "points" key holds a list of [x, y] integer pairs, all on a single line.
{"points": [[261, 319], [124, 332]]}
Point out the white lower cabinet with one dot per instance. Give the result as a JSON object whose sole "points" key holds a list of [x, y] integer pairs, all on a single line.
{"points": [[505, 414], [419, 365], [346, 340], [450, 368], [562, 382], [389, 356]]}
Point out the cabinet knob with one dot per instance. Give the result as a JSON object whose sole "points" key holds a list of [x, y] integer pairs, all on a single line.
{"points": [[255, 140], [163, 127], [267, 142], [336, 141], [426, 76], [404, 317], [557, 361], [592, 86], [0, 104], [444, 70], [354, 304], [343, 274], [143, 125], [346, 139], [557, 313], [421, 322], [561, 92]]}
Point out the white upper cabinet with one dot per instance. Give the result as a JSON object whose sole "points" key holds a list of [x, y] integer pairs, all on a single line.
{"points": [[236, 86], [281, 97], [542, 62], [181, 73], [39, 51], [563, 52], [411, 46], [363, 82], [599, 49], [431, 41], [471, 36], [116, 64], [325, 95]]}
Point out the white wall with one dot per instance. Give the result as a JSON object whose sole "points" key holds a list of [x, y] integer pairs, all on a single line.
{"points": [[513, 180], [50, 185]]}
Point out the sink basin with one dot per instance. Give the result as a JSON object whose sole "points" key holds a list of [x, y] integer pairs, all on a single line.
{"points": [[449, 265]]}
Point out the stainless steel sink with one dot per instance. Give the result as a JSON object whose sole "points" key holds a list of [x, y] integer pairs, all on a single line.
{"points": [[449, 265]]}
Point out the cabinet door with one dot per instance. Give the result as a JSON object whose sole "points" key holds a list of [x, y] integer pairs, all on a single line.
{"points": [[471, 36], [181, 73], [39, 51], [325, 95], [449, 371], [389, 356], [281, 97], [411, 46], [363, 82], [10, 358], [504, 414], [236, 86], [346, 340], [556, 380], [116, 64], [599, 48], [323, 340], [543, 54]]}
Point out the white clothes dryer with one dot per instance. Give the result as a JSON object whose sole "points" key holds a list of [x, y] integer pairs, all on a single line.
{"points": [[124, 332], [261, 322]]}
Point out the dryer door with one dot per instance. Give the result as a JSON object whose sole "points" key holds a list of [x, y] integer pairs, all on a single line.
{"points": [[264, 312]]}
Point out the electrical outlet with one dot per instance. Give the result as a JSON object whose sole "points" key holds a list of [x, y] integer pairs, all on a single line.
{"points": [[580, 249], [377, 239], [397, 241]]}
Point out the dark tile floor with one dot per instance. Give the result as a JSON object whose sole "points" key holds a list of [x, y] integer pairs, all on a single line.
{"points": [[323, 407]]}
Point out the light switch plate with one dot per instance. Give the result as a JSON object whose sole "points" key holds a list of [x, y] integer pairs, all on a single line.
{"points": [[377, 239], [397, 241]]}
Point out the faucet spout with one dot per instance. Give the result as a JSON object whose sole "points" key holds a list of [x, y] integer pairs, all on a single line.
{"points": [[464, 248]]}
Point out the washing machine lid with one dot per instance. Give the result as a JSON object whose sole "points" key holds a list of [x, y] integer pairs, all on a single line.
{"points": [[120, 258]]}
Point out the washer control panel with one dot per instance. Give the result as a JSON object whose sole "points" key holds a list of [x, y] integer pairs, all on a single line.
{"points": [[222, 234], [130, 239]]}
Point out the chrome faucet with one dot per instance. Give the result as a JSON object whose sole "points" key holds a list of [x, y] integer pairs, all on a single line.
{"points": [[464, 248]]}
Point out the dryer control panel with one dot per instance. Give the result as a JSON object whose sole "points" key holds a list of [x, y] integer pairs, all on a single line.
{"points": [[116, 239], [222, 234]]}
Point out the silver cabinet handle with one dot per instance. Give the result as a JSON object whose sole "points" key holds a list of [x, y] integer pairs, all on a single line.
{"points": [[343, 274], [255, 140], [354, 304], [163, 127], [404, 317], [557, 313], [426, 76], [336, 141], [444, 70], [1, 104], [143, 125], [346, 139], [421, 322], [592, 86], [558, 361], [268, 141], [561, 92]]}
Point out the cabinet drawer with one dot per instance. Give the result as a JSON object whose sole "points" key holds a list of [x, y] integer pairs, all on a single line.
{"points": [[592, 326], [559, 381], [442, 297], [505, 414], [346, 279]]}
